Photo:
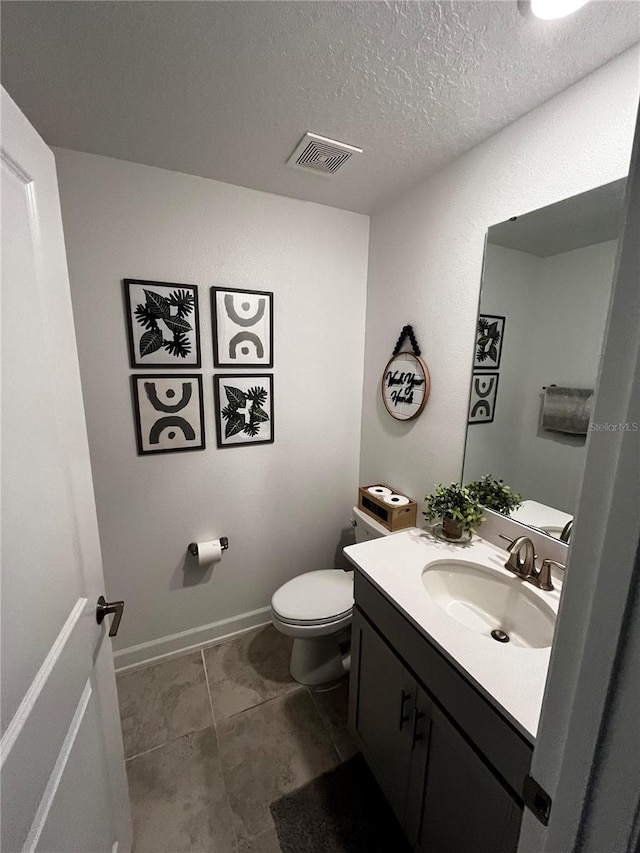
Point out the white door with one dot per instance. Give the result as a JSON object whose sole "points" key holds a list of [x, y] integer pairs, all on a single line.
{"points": [[587, 753], [63, 775]]}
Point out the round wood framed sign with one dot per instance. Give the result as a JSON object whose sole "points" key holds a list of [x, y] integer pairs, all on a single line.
{"points": [[405, 386]]}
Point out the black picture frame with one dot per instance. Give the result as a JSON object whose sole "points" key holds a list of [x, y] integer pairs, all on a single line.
{"points": [[226, 405], [488, 342], [483, 398], [149, 432], [242, 341], [145, 320]]}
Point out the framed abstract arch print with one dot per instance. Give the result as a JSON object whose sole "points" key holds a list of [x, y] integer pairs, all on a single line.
{"points": [[168, 412], [482, 403], [242, 323]]}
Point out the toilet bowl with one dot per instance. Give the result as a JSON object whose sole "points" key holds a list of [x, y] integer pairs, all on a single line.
{"points": [[315, 609]]}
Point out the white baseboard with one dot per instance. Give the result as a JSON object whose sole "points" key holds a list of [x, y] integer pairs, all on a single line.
{"points": [[191, 640]]}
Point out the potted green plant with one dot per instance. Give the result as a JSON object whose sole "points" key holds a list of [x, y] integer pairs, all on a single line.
{"points": [[456, 506], [495, 494]]}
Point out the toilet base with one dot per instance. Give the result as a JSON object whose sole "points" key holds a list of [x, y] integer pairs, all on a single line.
{"points": [[319, 660]]}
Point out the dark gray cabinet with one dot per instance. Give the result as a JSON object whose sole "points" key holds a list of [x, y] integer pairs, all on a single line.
{"points": [[451, 767], [463, 806], [384, 712]]}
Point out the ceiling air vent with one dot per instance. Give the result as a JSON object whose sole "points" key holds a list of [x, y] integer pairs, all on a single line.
{"points": [[321, 155]]}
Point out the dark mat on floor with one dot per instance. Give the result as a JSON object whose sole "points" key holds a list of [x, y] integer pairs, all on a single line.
{"points": [[343, 811]]}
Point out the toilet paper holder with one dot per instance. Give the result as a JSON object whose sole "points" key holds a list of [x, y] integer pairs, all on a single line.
{"points": [[193, 546]]}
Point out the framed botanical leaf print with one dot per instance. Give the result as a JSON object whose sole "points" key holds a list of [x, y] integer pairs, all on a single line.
{"points": [[163, 324], [244, 408], [489, 336]]}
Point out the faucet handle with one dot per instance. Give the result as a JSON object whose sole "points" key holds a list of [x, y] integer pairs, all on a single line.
{"points": [[543, 577]]}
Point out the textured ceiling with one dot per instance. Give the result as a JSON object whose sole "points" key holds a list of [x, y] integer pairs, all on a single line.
{"points": [[582, 220], [226, 89]]}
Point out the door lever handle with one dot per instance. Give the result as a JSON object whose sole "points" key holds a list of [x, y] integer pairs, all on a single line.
{"points": [[104, 607]]}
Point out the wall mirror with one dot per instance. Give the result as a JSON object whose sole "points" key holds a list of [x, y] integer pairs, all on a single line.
{"points": [[546, 284]]}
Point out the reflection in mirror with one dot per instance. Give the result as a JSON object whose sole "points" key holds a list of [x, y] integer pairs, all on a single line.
{"points": [[543, 306]]}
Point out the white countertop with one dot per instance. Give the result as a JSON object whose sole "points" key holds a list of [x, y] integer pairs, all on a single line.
{"points": [[512, 678]]}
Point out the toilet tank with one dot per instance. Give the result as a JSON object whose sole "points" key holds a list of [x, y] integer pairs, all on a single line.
{"points": [[366, 527]]}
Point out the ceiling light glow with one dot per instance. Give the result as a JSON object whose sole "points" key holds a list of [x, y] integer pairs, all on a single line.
{"points": [[549, 10]]}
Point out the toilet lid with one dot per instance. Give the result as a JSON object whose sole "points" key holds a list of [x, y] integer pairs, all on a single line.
{"points": [[315, 595]]}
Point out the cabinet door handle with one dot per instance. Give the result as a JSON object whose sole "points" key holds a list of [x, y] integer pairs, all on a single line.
{"points": [[417, 716], [404, 718]]}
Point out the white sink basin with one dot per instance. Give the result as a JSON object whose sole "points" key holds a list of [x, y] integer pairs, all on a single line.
{"points": [[483, 600]]}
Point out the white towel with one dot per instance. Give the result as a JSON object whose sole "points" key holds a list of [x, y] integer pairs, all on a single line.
{"points": [[566, 409]]}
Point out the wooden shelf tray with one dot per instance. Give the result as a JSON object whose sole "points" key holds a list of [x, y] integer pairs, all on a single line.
{"points": [[392, 517]]}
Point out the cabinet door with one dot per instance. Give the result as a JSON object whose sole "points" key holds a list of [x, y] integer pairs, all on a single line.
{"points": [[381, 710], [463, 808]]}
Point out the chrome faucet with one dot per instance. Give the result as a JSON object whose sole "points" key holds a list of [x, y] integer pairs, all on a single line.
{"points": [[566, 531], [522, 562]]}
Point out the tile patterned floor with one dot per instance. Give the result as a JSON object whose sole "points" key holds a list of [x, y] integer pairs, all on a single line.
{"points": [[213, 737]]}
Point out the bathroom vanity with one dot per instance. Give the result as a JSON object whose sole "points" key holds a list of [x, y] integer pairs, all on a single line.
{"points": [[445, 715]]}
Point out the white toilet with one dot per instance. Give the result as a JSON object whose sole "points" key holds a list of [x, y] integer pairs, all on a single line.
{"points": [[315, 609]]}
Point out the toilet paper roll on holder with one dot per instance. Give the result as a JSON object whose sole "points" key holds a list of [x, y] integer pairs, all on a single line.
{"points": [[193, 546]]}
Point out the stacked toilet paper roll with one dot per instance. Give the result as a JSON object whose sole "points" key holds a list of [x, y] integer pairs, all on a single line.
{"points": [[379, 491], [385, 494], [395, 500]]}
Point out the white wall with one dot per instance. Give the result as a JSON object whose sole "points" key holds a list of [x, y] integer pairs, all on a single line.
{"points": [[556, 309], [283, 506], [426, 251], [568, 322]]}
